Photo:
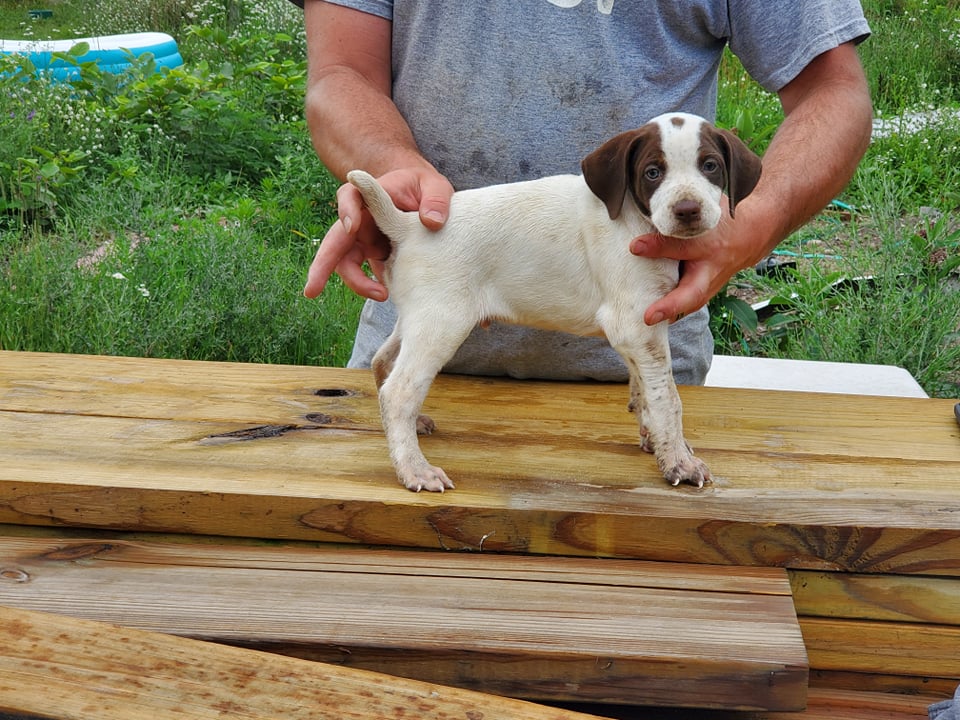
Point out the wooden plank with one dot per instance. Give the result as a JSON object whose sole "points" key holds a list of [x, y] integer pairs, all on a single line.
{"points": [[899, 598], [823, 704], [853, 705], [880, 624], [545, 628], [938, 688], [59, 667], [803, 480], [882, 647]]}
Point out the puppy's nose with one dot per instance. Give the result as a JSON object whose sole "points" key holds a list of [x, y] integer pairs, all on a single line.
{"points": [[687, 211]]}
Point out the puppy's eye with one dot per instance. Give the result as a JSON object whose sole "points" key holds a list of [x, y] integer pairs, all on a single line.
{"points": [[710, 166], [652, 173]]}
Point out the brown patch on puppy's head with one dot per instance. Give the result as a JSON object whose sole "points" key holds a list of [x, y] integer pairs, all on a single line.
{"points": [[633, 161]]}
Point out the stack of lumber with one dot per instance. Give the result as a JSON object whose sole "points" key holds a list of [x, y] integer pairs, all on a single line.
{"points": [[626, 632], [854, 498]]}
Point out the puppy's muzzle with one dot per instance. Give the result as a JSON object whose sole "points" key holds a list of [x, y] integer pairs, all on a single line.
{"points": [[688, 220], [687, 213]]}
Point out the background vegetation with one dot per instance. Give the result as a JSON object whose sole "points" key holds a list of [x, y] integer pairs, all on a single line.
{"points": [[174, 214]]}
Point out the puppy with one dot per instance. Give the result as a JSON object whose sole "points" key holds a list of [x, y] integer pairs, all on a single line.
{"points": [[554, 253]]}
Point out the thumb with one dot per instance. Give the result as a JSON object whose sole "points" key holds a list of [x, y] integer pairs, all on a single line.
{"points": [[691, 293], [649, 245], [435, 203]]}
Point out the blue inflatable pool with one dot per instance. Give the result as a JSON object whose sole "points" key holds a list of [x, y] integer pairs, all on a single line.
{"points": [[109, 51]]}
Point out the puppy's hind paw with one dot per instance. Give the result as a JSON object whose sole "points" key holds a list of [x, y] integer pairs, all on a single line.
{"points": [[425, 425], [428, 478], [693, 471], [646, 444]]}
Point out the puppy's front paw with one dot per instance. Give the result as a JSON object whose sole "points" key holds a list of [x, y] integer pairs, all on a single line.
{"points": [[427, 477], [692, 470]]}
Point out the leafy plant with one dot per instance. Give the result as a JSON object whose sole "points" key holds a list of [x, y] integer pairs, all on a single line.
{"points": [[896, 305]]}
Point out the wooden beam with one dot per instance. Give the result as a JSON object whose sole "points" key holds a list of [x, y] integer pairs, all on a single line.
{"points": [[883, 647], [880, 626], [59, 667], [802, 480], [898, 598], [587, 630]]}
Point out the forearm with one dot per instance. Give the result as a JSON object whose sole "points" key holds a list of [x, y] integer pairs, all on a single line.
{"points": [[352, 119], [354, 125], [812, 157]]}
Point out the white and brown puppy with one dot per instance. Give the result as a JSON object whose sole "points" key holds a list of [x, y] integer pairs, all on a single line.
{"points": [[554, 253]]}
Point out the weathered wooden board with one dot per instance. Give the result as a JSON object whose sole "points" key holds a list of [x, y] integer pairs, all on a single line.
{"points": [[852, 705], [897, 598], [803, 480], [882, 626], [935, 687], [58, 667], [885, 648], [626, 632]]}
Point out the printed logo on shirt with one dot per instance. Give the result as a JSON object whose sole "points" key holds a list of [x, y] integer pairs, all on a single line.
{"points": [[604, 6]]}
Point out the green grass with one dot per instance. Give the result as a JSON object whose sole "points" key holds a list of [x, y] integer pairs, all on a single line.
{"points": [[167, 215], [173, 215], [909, 316]]}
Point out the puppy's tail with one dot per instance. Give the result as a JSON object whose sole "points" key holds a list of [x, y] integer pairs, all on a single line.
{"points": [[390, 219]]}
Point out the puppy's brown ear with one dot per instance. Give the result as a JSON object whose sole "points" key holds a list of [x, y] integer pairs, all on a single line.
{"points": [[608, 170], [743, 166]]}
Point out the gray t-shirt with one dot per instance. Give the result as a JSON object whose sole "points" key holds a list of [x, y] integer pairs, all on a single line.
{"points": [[499, 91]]}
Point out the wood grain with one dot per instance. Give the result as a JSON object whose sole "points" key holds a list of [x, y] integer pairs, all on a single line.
{"points": [[908, 649], [881, 625], [898, 598], [58, 667], [546, 628], [803, 480], [852, 705]]}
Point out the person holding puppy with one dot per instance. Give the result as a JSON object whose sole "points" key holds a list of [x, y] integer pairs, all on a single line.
{"points": [[430, 96]]}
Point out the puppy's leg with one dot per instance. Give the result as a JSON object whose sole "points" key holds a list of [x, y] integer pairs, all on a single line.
{"points": [[382, 365], [638, 406], [655, 400], [425, 347]]}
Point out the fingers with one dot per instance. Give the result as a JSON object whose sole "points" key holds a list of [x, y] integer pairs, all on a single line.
{"points": [[354, 277], [707, 264], [334, 246], [354, 238], [349, 207], [691, 294], [343, 253]]}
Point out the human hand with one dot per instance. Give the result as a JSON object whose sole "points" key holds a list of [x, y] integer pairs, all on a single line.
{"points": [[355, 238], [709, 261]]}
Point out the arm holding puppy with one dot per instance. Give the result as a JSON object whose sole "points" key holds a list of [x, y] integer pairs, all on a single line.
{"points": [[826, 130], [354, 124]]}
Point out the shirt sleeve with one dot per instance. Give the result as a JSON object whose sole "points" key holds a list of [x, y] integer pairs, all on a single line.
{"points": [[776, 40], [380, 8]]}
